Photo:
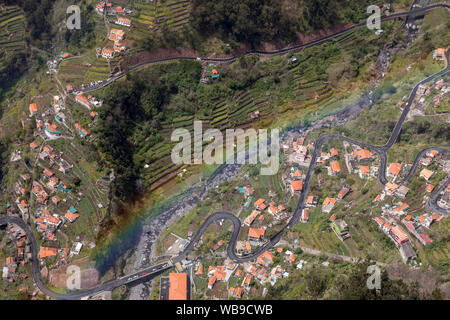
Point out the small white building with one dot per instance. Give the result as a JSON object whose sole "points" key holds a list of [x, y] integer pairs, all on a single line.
{"points": [[107, 53], [123, 22]]}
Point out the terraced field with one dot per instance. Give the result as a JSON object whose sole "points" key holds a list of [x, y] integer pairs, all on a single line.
{"points": [[12, 29], [99, 70], [76, 71], [154, 14]]}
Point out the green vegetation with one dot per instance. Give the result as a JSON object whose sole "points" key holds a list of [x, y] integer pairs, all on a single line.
{"points": [[342, 281], [139, 101], [258, 21]]}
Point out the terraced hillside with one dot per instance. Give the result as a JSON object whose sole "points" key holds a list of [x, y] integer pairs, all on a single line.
{"points": [[12, 28], [152, 16], [83, 69]]}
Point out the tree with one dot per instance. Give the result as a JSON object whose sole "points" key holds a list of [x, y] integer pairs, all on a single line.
{"points": [[315, 282]]}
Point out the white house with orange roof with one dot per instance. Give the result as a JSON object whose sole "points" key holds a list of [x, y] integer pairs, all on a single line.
{"points": [[107, 53], [394, 170], [116, 35], [439, 54], [123, 22], [33, 109], [426, 174], [83, 101], [328, 204]]}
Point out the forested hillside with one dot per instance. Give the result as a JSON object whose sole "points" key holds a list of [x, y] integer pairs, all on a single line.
{"points": [[267, 20]]}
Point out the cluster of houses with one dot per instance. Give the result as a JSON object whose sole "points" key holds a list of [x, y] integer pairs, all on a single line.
{"points": [[417, 224], [256, 234], [210, 74], [51, 210], [329, 203], [21, 256], [394, 170], [360, 162], [295, 150], [436, 91], [63, 253], [108, 8], [263, 270], [116, 36], [414, 225], [89, 101], [399, 237], [48, 128]]}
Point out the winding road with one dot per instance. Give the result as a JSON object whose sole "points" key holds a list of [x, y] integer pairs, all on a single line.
{"points": [[149, 272]]}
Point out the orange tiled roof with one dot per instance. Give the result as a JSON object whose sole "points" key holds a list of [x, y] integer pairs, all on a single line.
{"points": [[403, 207], [343, 192], [256, 233], [71, 216], [391, 186], [107, 51], [334, 152], [364, 170], [297, 173], [335, 167], [379, 220], [47, 252], [212, 280], [249, 219], [426, 173], [435, 216], [124, 20], [177, 286], [199, 269], [297, 185], [260, 204], [33, 107], [400, 233], [274, 209], [395, 168], [329, 200], [363, 154]]}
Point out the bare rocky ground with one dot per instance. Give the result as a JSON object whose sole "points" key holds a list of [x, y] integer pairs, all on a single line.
{"points": [[428, 281]]}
